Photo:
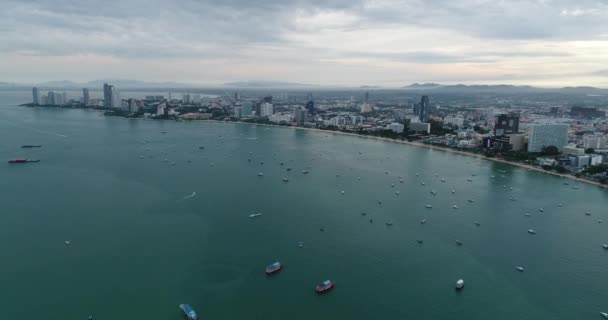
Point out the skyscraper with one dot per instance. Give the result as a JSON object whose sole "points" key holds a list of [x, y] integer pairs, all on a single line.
{"points": [[300, 115], [422, 109], [310, 104], [237, 96], [545, 135], [64, 97], [107, 96], [366, 99], [266, 109], [35, 96], [506, 124], [85, 96], [50, 100]]}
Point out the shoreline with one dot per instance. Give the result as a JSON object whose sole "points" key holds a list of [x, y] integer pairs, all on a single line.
{"points": [[432, 147]]}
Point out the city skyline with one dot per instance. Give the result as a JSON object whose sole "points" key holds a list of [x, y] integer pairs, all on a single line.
{"points": [[350, 43]]}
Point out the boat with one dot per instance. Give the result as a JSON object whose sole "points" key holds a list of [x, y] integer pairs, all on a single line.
{"points": [[273, 267], [379, 201], [188, 311], [21, 160], [531, 231], [324, 286], [429, 206], [471, 201], [255, 215], [423, 221], [281, 163], [342, 192], [560, 204], [363, 214], [469, 179], [288, 169], [453, 191], [419, 241], [527, 215], [520, 269], [285, 179], [605, 246], [459, 284], [67, 242], [587, 213], [390, 223], [455, 207], [260, 174], [28, 146], [301, 244], [604, 314], [477, 223], [397, 192], [541, 210], [442, 180], [458, 242], [304, 171], [422, 183], [433, 192]]}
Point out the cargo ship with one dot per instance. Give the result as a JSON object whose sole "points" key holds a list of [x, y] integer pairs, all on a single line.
{"points": [[188, 311], [324, 286], [21, 160], [28, 146], [274, 267]]}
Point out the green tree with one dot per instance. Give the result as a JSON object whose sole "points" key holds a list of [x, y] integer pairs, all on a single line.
{"points": [[549, 151], [589, 150]]}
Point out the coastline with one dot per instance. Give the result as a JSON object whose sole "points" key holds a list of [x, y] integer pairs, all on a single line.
{"points": [[440, 148]]}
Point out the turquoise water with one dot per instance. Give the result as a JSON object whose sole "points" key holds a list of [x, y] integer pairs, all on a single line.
{"points": [[139, 246]]}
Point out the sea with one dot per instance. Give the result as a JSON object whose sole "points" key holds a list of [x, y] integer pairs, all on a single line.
{"points": [[127, 219]]}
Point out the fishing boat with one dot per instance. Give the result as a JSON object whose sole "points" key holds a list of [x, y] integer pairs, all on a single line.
{"points": [[274, 267], [459, 284], [324, 286], [21, 160], [520, 269], [29, 146], [188, 311]]}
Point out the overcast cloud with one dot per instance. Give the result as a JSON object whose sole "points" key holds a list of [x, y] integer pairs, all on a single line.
{"points": [[340, 42]]}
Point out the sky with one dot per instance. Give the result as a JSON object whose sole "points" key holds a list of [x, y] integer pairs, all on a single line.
{"points": [[391, 43]]}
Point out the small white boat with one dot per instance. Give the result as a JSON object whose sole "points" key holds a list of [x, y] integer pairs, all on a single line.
{"points": [[423, 221], [453, 191], [477, 223], [397, 192], [428, 206], [255, 215], [459, 284], [390, 223], [527, 215], [442, 180], [342, 192], [454, 207], [379, 201], [531, 231], [422, 183], [67, 242], [605, 246], [260, 174], [471, 201], [541, 210], [392, 185], [301, 244], [587, 213], [305, 171], [285, 179], [469, 179], [458, 242], [604, 314], [520, 269], [560, 204], [433, 192]]}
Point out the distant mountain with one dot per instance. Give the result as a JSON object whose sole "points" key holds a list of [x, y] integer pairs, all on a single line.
{"points": [[369, 87], [266, 84], [423, 85], [59, 84]]}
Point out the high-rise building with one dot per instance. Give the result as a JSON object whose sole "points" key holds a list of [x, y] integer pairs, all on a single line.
{"points": [[116, 100], [545, 135], [247, 108], [85, 96], [107, 96], [423, 109], [366, 99], [237, 96], [300, 115], [186, 98], [595, 141], [238, 112], [64, 97], [310, 104], [50, 100], [58, 99], [266, 109], [35, 96], [506, 124]]}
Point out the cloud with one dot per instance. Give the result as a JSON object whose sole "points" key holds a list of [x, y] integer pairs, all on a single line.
{"points": [[353, 39]]}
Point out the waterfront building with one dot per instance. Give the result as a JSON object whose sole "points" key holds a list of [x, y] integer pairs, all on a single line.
{"points": [[420, 127], [85, 96], [506, 124], [107, 96], [395, 127], [310, 104], [299, 115], [266, 109], [57, 99], [545, 135], [64, 97], [365, 108], [572, 150], [50, 100], [186, 98], [238, 112], [35, 96], [196, 98], [247, 108]]}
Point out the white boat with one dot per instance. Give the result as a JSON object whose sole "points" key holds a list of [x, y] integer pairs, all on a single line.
{"points": [[604, 314], [433, 192], [423, 221], [605, 246], [560, 204], [379, 201], [531, 231], [422, 183], [260, 174], [67, 242], [390, 223], [527, 215], [471, 201], [428, 206], [397, 192], [255, 215], [469, 179], [458, 242], [442, 180], [392, 185], [587, 213], [459, 284], [342, 192], [285, 179], [520, 269], [301, 244], [454, 207], [453, 191], [541, 210]]}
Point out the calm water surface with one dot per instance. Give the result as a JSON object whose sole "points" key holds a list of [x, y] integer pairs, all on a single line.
{"points": [[119, 190]]}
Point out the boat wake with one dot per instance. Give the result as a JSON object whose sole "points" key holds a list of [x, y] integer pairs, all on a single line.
{"points": [[189, 196]]}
